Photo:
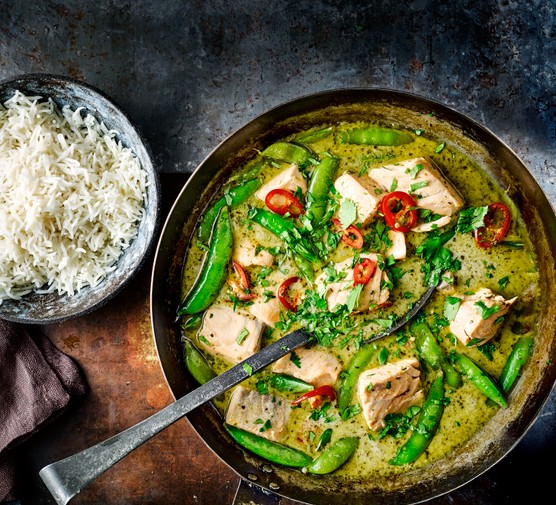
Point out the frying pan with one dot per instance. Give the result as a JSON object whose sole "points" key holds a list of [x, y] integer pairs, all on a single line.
{"points": [[507, 426]]}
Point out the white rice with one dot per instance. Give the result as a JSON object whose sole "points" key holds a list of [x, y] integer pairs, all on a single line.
{"points": [[71, 198]]}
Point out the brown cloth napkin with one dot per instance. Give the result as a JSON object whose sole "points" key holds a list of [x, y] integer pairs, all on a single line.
{"points": [[37, 381]]}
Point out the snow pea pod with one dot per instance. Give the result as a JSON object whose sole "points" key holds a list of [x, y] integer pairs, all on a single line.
{"points": [[271, 451], [349, 381], [287, 383], [287, 231], [215, 268], [319, 187], [288, 152], [235, 196], [479, 378], [427, 423], [313, 136], [197, 364], [432, 353], [518, 357], [374, 137], [334, 456]]}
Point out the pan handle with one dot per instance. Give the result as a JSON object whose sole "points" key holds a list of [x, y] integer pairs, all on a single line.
{"points": [[250, 494]]}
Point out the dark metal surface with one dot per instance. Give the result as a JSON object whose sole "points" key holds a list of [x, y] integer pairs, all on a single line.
{"points": [[188, 73]]}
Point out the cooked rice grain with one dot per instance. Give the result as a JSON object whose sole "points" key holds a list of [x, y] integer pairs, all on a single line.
{"points": [[71, 198]]}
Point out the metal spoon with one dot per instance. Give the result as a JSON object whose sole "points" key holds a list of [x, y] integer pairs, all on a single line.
{"points": [[67, 477]]}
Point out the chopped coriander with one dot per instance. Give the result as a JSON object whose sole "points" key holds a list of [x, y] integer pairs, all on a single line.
{"points": [[295, 359], [192, 322], [438, 149], [243, 334], [353, 297], [383, 356], [248, 369], [258, 421], [311, 435], [417, 185], [203, 339], [451, 306], [262, 387], [418, 131], [347, 213], [487, 350], [503, 282], [394, 185], [415, 170], [350, 411], [484, 311], [471, 218], [266, 426]]}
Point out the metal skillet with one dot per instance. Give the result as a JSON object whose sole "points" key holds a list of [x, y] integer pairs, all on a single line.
{"points": [[501, 433], [66, 478]]}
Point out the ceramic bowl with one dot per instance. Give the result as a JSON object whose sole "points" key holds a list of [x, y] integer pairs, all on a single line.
{"points": [[49, 308]]}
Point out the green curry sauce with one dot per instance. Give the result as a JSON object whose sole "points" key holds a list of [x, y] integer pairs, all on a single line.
{"points": [[505, 269]]}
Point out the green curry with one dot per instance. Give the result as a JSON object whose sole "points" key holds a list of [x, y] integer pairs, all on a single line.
{"points": [[480, 247]]}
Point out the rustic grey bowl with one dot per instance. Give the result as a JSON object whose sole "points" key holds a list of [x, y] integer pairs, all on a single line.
{"points": [[50, 308]]}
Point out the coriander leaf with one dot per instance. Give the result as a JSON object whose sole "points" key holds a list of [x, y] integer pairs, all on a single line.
{"points": [[243, 334], [347, 213], [451, 306], [415, 170], [394, 185], [438, 149], [353, 297], [248, 369], [488, 350], [383, 356], [418, 131], [262, 387], [471, 218], [295, 359], [266, 426], [417, 185], [350, 411], [437, 257], [484, 311], [503, 282]]}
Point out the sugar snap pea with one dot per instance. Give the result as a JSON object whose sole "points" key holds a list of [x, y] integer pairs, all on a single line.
{"points": [[271, 451], [287, 383], [196, 363], [315, 135], [333, 456], [288, 152], [234, 197], [479, 378], [349, 380], [374, 137], [215, 267], [287, 231], [518, 357], [319, 187], [427, 424], [432, 353]]}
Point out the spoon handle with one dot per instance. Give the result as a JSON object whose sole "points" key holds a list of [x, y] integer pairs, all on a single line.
{"points": [[67, 477]]}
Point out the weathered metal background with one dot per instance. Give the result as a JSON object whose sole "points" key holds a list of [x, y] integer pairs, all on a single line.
{"points": [[190, 72]]}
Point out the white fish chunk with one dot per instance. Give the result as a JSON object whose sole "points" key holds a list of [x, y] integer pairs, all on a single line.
{"points": [[317, 367], [231, 335], [389, 389], [290, 179], [268, 312], [336, 293], [363, 192], [398, 249], [263, 415], [437, 193], [246, 254], [468, 324]]}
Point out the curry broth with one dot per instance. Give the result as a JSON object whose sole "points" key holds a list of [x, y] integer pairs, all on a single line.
{"points": [[468, 409]]}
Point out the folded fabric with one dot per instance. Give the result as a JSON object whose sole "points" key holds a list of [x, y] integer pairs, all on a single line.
{"points": [[37, 382]]}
